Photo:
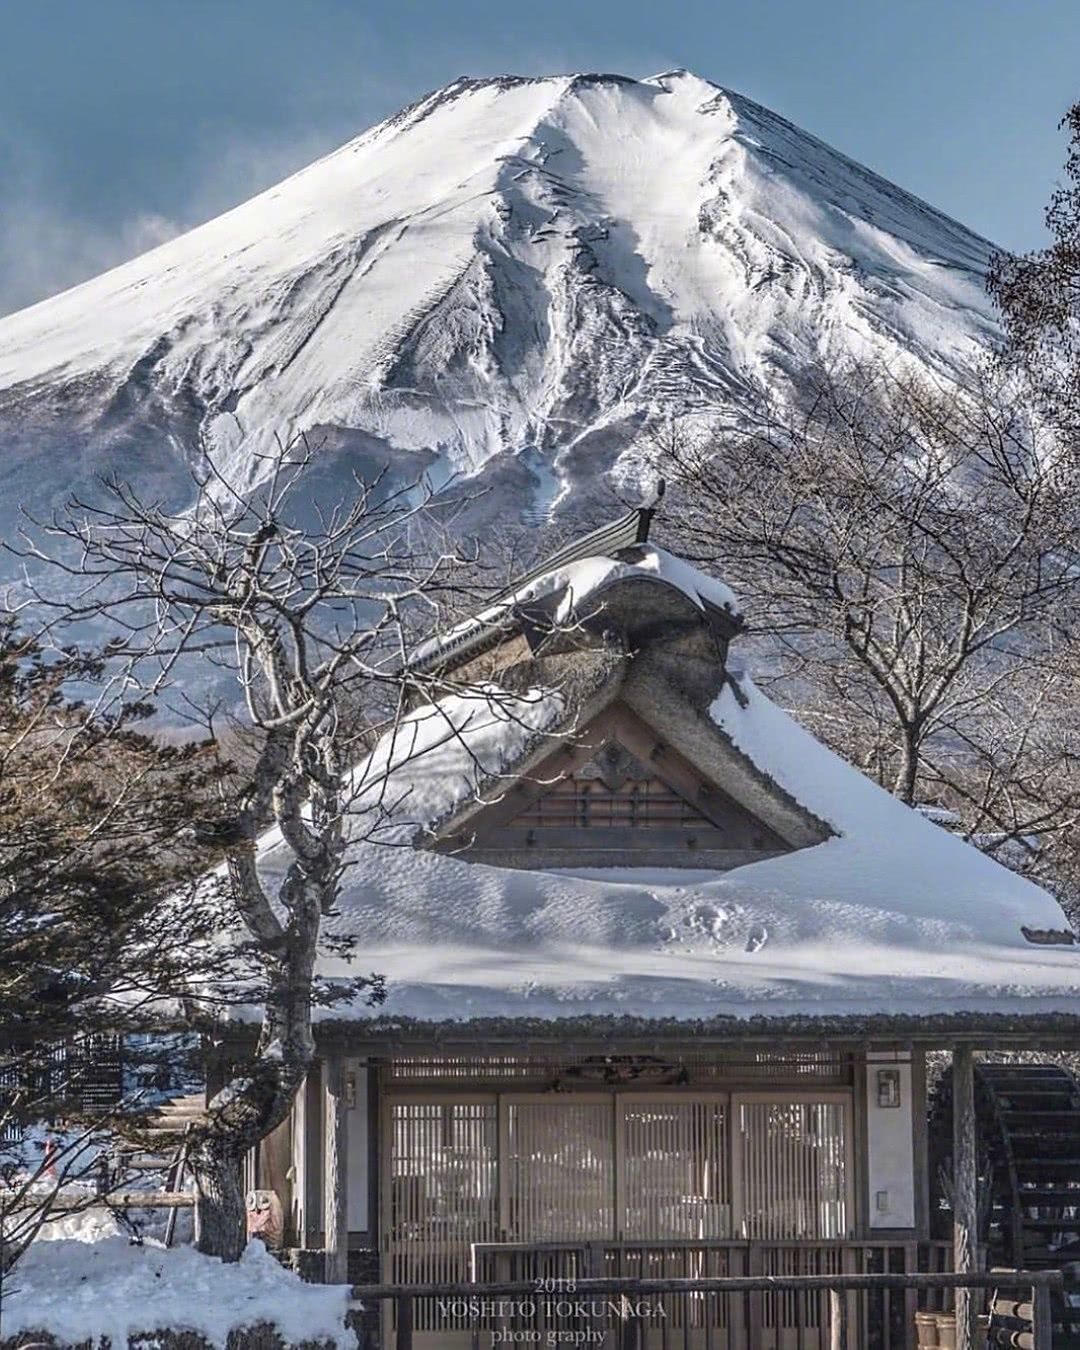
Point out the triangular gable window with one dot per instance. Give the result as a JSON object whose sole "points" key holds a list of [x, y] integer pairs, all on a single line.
{"points": [[614, 796], [613, 791]]}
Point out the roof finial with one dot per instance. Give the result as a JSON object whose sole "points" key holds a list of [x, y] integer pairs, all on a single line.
{"points": [[648, 508]]}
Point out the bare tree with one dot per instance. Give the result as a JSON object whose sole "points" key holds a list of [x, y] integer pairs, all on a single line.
{"points": [[308, 613], [1038, 295], [907, 553]]}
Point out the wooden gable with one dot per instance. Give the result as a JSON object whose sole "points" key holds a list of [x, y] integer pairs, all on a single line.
{"points": [[614, 795]]}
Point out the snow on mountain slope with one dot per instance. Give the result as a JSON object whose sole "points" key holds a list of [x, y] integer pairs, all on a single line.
{"points": [[512, 273]]}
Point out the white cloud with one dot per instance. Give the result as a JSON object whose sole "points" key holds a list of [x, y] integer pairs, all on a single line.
{"points": [[42, 252], [44, 248]]}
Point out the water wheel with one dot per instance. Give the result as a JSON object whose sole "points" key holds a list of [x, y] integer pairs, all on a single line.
{"points": [[1028, 1122]]}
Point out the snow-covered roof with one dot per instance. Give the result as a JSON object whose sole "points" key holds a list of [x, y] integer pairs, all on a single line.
{"points": [[585, 579], [892, 914], [575, 589]]}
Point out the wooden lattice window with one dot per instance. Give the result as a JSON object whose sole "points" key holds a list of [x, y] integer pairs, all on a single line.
{"points": [[586, 803], [442, 1193], [676, 1181], [559, 1168], [792, 1167], [655, 1172]]}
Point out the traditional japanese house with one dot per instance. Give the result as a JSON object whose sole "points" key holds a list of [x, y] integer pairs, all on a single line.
{"points": [[663, 974]]}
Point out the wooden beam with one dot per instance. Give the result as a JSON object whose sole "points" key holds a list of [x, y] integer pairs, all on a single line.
{"points": [[335, 1171], [921, 1144], [372, 1038], [150, 1200], [311, 1152], [275, 1159], [724, 1284], [965, 1199], [404, 1314], [115, 1200]]}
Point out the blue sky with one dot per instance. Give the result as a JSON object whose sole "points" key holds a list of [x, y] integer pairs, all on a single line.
{"points": [[124, 121]]}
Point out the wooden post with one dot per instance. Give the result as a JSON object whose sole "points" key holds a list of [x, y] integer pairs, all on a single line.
{"points": [[1042, 1320], [630, 1334], [965, 1199], [756, 1309], [335, 1172], [404, 1322], [838, 1338]]}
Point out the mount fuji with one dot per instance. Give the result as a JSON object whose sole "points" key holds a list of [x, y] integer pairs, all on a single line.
{"points": [[506, 283]]}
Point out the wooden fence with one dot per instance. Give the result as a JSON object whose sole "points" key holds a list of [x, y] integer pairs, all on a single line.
{"points": [[500, 1307]]}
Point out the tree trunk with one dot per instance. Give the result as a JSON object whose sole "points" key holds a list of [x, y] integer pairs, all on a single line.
{"points": [[252, 1104], [220, 1215], [907, 777]]}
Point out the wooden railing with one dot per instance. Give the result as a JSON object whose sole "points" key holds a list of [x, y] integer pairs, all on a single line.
{"points": [[586, 1310], [789, 1321]]}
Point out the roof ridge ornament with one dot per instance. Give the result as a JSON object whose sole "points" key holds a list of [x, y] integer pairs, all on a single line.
{"points": [[648, 508], [611, 540]]}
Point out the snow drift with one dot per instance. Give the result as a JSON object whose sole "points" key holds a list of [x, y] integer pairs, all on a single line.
{"points": [[88, 1288]]}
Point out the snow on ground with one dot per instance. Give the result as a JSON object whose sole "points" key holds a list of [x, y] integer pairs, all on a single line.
{"points": [[85, 1281]]}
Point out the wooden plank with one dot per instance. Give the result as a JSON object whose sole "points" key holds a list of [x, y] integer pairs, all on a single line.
{"points": [[965, 1200], [312, 1145], [814, 1036], [376, 1145], [911, 1296], [297, 1224], [335, 1171], [404, 1318], [275, 1160], [150, 1199], [838, 1321], [1042, 1323], [116, 1200], [756, 1308], [921, 1143]]}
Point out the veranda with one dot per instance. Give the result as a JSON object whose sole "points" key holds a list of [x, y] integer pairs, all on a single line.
{"points": [[689, 1158]]}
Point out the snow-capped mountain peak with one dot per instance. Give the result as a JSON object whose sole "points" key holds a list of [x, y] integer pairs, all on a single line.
{"points": [[511, 277]]}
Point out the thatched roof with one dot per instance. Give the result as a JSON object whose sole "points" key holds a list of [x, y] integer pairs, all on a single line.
{"points": [[872, 912]]}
